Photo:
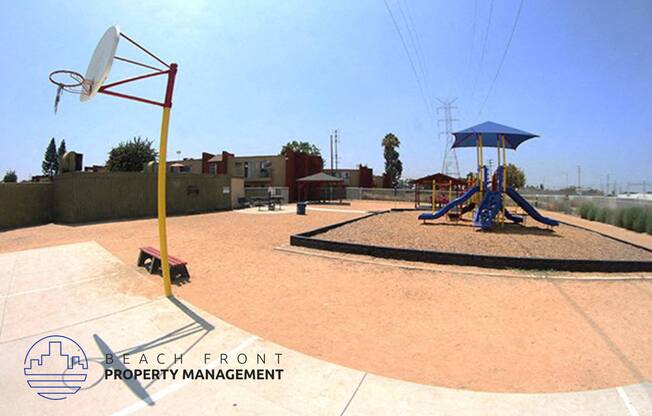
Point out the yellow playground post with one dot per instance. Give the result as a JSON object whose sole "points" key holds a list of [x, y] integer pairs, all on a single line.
{"points": [[434, 190]]}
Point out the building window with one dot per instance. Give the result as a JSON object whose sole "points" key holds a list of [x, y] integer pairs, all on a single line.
{"points": [[265, 169], [212, 168], [246, 169]]}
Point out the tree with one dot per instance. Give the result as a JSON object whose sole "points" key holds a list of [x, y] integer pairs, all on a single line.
{"points": [[60, 152], [131, 156], [50, 164], [10, 176], [515, 176], [393, 165], [301, 147]]}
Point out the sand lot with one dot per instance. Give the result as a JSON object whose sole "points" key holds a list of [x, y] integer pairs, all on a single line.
{"points": [[475, 331]]}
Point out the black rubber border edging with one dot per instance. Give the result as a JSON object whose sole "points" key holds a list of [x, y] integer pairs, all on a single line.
{"points": [[308, 240]]}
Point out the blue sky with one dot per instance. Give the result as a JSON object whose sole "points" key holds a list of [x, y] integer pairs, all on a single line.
{"points": [[255, 74]]}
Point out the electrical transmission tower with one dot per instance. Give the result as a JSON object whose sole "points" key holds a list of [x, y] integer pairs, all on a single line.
{"points": [[450, 165]]}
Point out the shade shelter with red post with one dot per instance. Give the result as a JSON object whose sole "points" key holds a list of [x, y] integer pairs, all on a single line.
{"points": [[442, 188], [320, 187]]}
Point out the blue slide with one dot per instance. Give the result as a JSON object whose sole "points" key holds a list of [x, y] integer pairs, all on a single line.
{"points": [[517, 219], [532, 212], [455, 202]]}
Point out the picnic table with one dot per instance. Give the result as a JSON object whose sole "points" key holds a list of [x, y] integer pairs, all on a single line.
{"points": [[270, 202]]}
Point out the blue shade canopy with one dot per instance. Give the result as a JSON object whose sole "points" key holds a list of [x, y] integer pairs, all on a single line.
{"points": [[490, 132]]}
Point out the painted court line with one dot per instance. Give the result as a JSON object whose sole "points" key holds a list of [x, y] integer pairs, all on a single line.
{"points": [[630, 408], [141, 404], [44, 289], [84, 321], [353, 395]]}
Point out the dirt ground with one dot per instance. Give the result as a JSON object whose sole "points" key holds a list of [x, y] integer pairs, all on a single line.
{"points": [[471, 331], [401, 229]]}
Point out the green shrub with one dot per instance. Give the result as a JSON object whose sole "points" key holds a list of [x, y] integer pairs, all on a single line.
{"points": [[631, 217], [603, 215], [593, 213], [585, 208], [617, 217], [639, 222], [648, 223]]}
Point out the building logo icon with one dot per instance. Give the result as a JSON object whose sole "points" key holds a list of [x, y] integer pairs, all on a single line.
{"points": [[55, 367]]}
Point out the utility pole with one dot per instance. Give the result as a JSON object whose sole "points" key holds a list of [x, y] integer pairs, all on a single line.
{"points": [[579, 180], [450, 165], [491, 165], [607, 187], [336, 139], [332, 153]]}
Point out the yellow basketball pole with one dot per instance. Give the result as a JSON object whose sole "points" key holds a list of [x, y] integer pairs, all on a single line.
{"points": [[162, 172], [162, 229]]}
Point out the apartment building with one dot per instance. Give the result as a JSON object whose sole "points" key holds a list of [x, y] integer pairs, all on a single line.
{"points": [[360, 177], [265, 170]]}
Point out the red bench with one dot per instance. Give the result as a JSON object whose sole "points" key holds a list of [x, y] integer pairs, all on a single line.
{"points": [[150, 258]]}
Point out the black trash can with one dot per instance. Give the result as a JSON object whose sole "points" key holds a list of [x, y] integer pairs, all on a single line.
{"points": [[301, 208]]}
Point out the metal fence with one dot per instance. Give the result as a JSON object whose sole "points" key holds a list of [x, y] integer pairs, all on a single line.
{"points": [[383, 194], [561, 203], [570, 203]]}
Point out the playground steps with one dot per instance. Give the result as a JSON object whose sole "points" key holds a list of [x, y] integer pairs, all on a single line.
{"points": [[489, 207]]}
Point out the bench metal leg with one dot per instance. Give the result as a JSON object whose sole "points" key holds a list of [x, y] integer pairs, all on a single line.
{"points": [[142, 257], [154, 265]]}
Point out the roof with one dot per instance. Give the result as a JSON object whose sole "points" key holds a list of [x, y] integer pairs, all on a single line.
{"points": [[177, 165], [320, 177], [490, 132], [439, 178], [216, 158]]}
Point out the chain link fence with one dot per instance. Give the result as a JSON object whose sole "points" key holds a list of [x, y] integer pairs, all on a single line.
{"points": [[561, 203]]}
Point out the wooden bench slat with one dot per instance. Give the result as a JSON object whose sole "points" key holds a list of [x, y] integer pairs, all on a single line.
{"points": [[156, 253]]}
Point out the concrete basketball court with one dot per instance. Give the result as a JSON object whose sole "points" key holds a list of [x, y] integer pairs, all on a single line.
{"points": [[84, 292]]}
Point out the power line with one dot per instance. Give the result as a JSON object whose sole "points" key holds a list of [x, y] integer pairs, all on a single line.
{"points": [[416, 45], [407, 52], [484, 47], [502, 60], [470, 60]]}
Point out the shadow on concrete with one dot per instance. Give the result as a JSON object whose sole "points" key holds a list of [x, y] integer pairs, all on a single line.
{"points": [[133, 384], [198, 326]]}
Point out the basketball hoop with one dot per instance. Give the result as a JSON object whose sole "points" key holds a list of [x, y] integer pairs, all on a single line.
{"points": [[65, 80], [93, 82]]}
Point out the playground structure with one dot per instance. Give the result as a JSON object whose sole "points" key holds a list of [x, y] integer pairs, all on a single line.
{"points": [[487, 197], [92, 83]]}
